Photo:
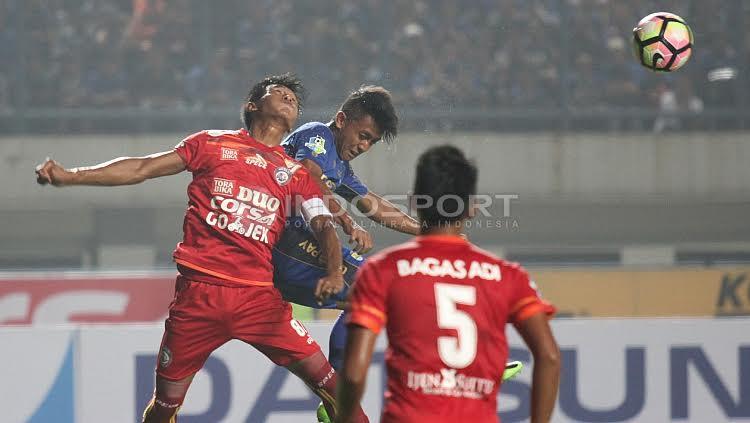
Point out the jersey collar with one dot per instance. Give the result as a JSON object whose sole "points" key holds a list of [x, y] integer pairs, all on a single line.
{"points": [[249, 138], [450, 239]]}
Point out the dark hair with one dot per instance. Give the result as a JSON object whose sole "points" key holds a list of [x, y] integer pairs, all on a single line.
{"points": [[445, 181], [376, 102], [288, 80]]}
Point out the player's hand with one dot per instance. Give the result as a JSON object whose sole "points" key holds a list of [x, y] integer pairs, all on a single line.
{"points": [[327, 286], [50, 172], [361, 239]]}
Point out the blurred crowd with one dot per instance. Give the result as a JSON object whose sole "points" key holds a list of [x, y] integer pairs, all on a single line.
{"points": [[514, 54]]}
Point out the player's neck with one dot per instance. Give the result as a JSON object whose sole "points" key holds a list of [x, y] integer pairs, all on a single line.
{"points": [[268, 133], [452, 229]]}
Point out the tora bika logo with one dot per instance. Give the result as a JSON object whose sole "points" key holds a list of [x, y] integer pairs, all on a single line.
{"points": [[223, 187], [228, 153]]}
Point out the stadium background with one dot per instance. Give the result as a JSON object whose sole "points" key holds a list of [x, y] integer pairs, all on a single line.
{"points": [[626, 193]]}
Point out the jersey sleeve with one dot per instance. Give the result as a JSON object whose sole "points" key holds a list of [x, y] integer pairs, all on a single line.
{"points": [[526, 300], [316, 144], [367, 298], [351, 187], [304, 186], [189, 150]]}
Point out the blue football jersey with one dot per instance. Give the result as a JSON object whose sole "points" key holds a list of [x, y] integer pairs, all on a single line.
{"points": [[314, 141], [296, 260]]}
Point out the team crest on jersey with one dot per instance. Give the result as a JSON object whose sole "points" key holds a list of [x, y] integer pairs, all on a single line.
{"points": [[317, 145], [228, 153], [165, 357], [282, 175], [256, 160], [223, 187]]}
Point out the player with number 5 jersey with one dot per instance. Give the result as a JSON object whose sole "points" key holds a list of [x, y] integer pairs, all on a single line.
{"points": [[445, 304]]}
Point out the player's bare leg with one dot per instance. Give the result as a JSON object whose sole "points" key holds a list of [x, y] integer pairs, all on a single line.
{"points": [[167, 399], [318, 374]]}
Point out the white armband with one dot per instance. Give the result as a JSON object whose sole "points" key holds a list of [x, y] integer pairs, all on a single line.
{"points": [[314, 207]]}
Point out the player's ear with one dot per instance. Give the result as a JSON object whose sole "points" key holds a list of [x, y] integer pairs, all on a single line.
{"points": [[251, 106], [340, 119]]}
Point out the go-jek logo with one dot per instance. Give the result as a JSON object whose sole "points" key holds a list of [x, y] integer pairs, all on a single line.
{"points": [[248, 214]]}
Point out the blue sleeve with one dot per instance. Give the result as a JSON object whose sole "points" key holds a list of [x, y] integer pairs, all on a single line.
{"points": [[315, 144], [351, 186]]}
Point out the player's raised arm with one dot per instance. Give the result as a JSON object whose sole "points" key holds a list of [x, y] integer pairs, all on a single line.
{"points": [[120, 171], [536, 332], [357, 235], [384, 212]]}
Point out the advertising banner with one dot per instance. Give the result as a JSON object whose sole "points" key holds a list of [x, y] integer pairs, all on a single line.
{"points": [[614, 370], [681, 291], [53, 298]]}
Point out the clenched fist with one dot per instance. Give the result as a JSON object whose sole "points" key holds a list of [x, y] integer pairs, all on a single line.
{"points": [[51, 172]]}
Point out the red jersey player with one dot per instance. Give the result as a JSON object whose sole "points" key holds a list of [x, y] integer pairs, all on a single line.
{"points": [[244, 186], [445, 303]]}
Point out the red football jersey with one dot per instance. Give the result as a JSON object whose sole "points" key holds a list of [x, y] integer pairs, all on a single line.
{"points": [[238, 201], [444, 303]]}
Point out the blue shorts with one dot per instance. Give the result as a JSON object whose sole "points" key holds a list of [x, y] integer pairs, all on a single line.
{"points": [[297, 269]]}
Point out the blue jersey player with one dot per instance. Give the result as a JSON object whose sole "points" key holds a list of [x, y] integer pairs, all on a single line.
{"points": [[366, 117]]}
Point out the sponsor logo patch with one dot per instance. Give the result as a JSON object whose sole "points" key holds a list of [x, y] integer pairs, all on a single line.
{"points": [[228, 153], [256, 160], [317, 145], [223, 187]]}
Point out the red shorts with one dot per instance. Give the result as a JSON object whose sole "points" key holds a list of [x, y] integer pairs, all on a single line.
{"points": [[204, 316]]}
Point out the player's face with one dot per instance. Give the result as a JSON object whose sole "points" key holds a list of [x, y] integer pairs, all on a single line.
{"points": [[280, 101], [355, 136]]}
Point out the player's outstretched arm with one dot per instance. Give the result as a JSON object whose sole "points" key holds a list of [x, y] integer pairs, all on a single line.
{"points": [[325, 232], [537, 334], [360, 342], [357, 235], [120, 171], [384, 212]]}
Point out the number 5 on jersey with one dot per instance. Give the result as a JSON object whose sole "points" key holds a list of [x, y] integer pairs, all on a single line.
{"points": [[460, 351]]}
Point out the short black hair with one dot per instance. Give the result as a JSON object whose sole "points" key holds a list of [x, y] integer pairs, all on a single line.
{"points": [[288, 80], [376, 102], [445, 181]]}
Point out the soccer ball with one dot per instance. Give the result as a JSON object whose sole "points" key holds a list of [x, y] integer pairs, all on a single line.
{"points": [[663, 42]]}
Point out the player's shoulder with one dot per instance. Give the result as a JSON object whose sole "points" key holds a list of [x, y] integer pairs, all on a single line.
{"points": [[506, 266], [393, 253], [314, 127], [312, 130]]}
